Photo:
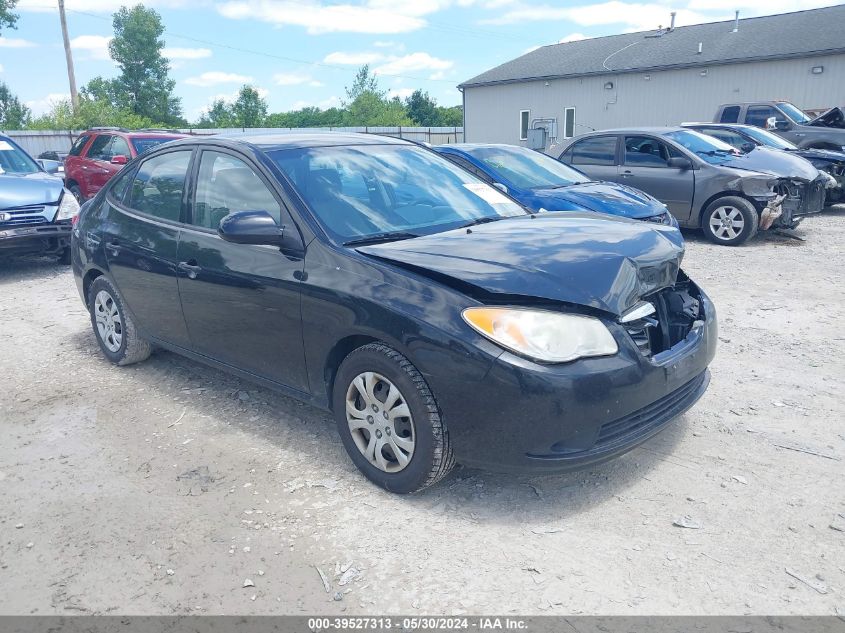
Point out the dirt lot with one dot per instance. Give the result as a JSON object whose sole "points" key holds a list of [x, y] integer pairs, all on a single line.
{"points": [[165, 487]]}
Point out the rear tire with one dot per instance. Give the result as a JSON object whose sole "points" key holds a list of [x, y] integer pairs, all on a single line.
{"points": [[730, 221], [113, 327], [389, 421]]}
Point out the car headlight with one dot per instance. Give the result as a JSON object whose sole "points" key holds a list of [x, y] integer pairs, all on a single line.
{"points": [[68, 207], [550, 337]]}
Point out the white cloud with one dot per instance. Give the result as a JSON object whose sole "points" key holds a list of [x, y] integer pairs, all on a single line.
{"points": [[42, 106], [374, 16], [295, 79], [396, 46], [216, 78], [325, 104], [412, 62], [640, 16], [352, 59], [93, 46], [186, 53], [12, 42], [572, 37], [402, 93]]}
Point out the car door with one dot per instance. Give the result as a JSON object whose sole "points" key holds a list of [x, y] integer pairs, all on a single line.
{"points": [[241, 301], [105, 169], [140, 237], [596, 156], [644, 166], [97, 167]]}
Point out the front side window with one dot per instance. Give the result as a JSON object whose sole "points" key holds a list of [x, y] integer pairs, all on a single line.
{"points": [[523, 124], [525, 168], [645, 151], [13, 160], [99, 149], [730, 114], [120, 185], [225, 185], [358, 192], [760, 115], [158, 185], [793, 113], [76, 149], [599, 150], [119, 147]]}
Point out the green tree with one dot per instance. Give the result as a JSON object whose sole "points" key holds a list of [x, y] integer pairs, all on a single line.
{"points": [[219, 115], [364, 82], [91, 113], [7, 18], [422, 109], [249, 108], [13, 114], [144, 86], [450, 117]]}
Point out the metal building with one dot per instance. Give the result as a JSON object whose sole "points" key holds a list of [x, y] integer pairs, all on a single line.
{"points": [[660, 77]]}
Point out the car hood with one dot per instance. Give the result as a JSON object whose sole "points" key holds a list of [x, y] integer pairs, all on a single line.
{"points": [[603, 197], [18, 190], [773, 162], [835, 117], [820, 154], [574, 257]]}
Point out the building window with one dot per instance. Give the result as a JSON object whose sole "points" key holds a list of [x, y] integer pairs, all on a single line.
{"points": [[523, 124], [569, 123]]}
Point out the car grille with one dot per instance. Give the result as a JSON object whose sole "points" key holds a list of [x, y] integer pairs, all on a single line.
{"points": [[653, 415], [24, 216], [676, 310], [812, 197]]}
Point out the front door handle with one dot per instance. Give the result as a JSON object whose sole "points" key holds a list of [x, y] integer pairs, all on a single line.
{"points": [[626, 174], [191, 268], [113, 248]]}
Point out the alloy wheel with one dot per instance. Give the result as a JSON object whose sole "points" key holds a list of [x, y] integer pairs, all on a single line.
{"points": [[726, 223], [380, 422], [109, 322]]}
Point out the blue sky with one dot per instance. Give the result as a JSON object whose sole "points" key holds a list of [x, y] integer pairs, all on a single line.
{"points": [[303, 52]]}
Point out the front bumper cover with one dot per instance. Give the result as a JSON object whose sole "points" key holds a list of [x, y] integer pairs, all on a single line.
{"points": [[46, 238]]}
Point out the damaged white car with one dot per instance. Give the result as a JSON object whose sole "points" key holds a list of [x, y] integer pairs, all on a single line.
{"points": [[704, 182]]}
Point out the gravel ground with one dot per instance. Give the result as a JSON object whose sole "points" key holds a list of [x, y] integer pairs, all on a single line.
{"points": [[168, 487]]}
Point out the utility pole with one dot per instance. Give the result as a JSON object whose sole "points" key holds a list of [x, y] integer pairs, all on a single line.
{"points": [[74, 97]]}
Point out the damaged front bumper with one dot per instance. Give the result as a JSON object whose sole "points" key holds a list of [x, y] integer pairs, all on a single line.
{"points": [[788, 201]]}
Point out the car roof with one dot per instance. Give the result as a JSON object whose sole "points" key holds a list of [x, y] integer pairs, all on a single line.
{"points": [[636, 130], [468, 147], [296, 140], [741, 126]]}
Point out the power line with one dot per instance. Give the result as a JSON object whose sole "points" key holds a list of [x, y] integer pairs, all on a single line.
{"points": [[249, 51]]}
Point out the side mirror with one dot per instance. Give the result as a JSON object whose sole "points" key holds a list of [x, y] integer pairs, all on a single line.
{"points": [[119, 159], [500, 186], [50, 166], [747, 147], [782, 125], [679, 162], [251, 227]]}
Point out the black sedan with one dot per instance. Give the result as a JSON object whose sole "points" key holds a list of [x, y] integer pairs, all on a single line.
{"points": [[746, 138], [436, 318]]}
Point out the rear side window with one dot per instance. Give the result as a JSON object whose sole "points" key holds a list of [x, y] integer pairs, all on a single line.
{"points": [[600, 150], [99, 149], [78, 145], [158, 185], [226, 185], [730, 114]]}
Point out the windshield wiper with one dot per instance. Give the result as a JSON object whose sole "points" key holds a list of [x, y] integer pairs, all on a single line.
{"points": [[717, 152], [378, 238], [484, 220]]}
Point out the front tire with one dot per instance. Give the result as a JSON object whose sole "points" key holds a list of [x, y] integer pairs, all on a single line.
{"points": [[389, 421], [115, 331], [730, 221], [64, 256]]}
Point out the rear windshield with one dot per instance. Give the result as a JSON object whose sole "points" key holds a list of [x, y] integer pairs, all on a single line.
{"points": [[13, 160], [368, 190], [526, 168], [142, 145]]}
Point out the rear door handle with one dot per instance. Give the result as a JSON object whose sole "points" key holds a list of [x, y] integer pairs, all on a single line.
{"points": [[626, 174], [191, 268]]}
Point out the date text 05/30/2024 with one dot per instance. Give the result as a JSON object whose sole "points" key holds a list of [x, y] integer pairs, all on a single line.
{"points": [[417, 623]]}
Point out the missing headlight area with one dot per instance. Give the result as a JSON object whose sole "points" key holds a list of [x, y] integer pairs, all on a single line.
{"points": [[783, 202], [676, 311]]}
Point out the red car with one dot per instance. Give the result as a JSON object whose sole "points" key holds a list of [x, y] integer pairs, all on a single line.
{"points": [[100, 153]]}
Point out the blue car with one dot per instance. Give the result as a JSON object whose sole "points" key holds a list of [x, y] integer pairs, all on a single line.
{"points": [[542, 183], [35, 209]]}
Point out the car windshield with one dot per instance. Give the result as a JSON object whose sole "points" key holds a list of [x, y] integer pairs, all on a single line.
{"points": [[767, 138], [142, 145], [525, 168], [13, 160], [708, 148], [793, 112], [383, 192]]}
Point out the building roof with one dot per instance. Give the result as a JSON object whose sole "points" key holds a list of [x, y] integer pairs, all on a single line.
{"points": [[798, 34]]}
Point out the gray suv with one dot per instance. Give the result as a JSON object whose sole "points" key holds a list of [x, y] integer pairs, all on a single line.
{"points": [[826, 131], [704, 182]]}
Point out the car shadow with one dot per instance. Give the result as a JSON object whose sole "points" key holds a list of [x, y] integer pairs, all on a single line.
{"points": [[16, 268], [763, 239], [469, 494]]}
